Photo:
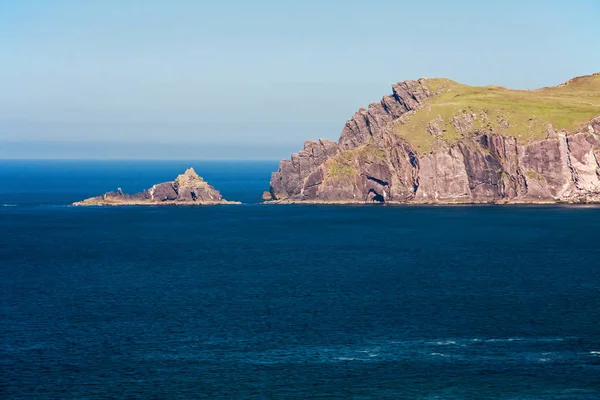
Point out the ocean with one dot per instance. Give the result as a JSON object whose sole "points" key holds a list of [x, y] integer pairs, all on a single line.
{"points": [[259, 301]]}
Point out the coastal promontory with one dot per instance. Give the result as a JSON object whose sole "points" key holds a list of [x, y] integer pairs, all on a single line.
{"points": [[187, 189], [439, 141]]}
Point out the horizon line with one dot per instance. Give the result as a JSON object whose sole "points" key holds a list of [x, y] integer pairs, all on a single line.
{"points": [[132, 159]]}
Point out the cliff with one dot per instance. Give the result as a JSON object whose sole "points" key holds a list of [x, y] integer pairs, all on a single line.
{"points": [[438, 141], [187, 189]]}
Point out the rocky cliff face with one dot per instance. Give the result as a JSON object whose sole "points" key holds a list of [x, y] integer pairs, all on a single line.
{"points": [[417, 146], [188, 188]]}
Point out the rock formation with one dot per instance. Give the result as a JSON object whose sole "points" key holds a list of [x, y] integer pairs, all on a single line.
{"points": [[437, 141], [187, 189]]}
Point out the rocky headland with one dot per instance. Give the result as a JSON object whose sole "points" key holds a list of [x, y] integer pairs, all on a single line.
{"points": [[187, 189], [438, 141]]}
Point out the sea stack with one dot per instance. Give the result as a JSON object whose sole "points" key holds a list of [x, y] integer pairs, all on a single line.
{"points": [[439, 141], [187, 189]]}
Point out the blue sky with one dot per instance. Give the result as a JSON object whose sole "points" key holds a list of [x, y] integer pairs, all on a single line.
{"points": [[254, 79]]}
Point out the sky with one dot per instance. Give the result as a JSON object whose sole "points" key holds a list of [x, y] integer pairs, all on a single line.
{"points": [[255, 79]]}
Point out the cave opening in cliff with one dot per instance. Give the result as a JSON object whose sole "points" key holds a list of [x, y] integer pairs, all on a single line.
{"points": [[375, 197]]}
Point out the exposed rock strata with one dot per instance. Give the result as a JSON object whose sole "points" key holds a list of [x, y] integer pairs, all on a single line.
{"points": [[187, 189], [371, 162], [290, 180]]}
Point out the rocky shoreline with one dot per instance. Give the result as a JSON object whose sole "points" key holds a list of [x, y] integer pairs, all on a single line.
{"points": [[426, 203], [125, 203]]}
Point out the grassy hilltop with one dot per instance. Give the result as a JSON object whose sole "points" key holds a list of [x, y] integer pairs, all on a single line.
{"points": [[526, 114]]}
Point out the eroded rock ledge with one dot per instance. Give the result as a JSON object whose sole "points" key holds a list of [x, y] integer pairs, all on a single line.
{"points": [[187, 189], [373, 161]]}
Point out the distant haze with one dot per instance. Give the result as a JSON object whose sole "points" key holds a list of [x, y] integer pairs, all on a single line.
{"points": [[255, 79]]}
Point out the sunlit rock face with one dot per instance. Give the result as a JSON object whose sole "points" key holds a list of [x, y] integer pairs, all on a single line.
{"points": [[422, 145]]}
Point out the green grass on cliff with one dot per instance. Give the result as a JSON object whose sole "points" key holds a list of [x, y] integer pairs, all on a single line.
{"points": [[344, 165], [521, 113]]}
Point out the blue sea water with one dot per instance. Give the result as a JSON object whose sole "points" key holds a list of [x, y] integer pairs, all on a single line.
{"points": [[272, 301]]}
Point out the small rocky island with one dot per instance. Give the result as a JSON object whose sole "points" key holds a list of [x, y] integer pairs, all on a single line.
{"points": [[188, 189]]}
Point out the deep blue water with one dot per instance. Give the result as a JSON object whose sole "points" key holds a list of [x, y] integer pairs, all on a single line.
{"points": [[268, 301]]}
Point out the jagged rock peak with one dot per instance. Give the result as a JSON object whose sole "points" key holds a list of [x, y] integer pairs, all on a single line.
{"points": [[370, 124], [189, 179], [190, 175]]}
